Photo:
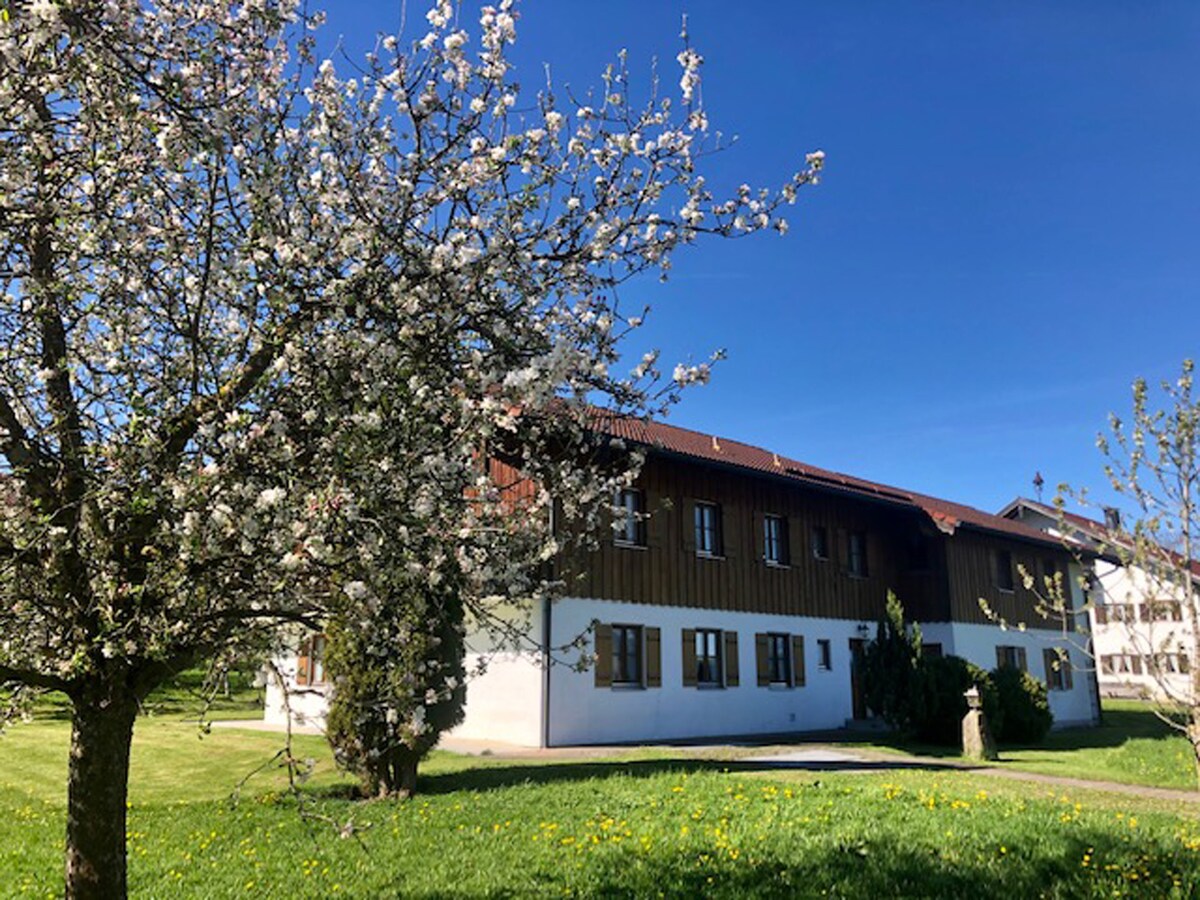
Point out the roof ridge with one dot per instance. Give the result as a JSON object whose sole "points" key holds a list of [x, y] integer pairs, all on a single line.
{"points": [[726, 451]]}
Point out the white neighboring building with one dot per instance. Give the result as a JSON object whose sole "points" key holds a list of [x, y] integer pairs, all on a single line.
{"points": [[1138, 625], [736, 598]]}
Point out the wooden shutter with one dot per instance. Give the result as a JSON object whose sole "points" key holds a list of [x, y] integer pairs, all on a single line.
{"points": [[689, 657], [798, 660], [653, 657], [1021, 662], [1135, 664], [727, 532], [1101, 614], [759, 550], [762, 660], [1049, 657], [999, 657], [1068, 680], [840, 551], [604, 655], [732, 671], [688, 512], [303, 663], [797, 535]]}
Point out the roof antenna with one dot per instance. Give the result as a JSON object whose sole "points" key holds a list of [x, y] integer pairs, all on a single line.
{"points": [[1038, 481]]}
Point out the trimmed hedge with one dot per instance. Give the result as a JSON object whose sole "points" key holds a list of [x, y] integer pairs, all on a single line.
{"points": [[1027, 715]]}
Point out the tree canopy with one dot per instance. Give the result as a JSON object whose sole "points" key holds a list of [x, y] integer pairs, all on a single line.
{"points": [[224, 265]]}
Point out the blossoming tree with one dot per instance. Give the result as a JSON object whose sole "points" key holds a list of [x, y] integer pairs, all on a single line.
{"points": [[239, 293]]}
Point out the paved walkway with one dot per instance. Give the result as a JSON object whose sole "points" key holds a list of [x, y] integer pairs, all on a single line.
{"points": [[808, 757], [825, 760]]}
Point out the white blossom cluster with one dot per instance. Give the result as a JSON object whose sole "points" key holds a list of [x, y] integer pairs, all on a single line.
{"points": [[265, 326]]}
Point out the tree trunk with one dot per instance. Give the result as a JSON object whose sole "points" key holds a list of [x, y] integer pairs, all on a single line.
{"points": [[98, 783], [405, 772]]}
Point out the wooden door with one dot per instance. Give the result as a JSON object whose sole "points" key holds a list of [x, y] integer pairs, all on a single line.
{"points": [[858, 698]]}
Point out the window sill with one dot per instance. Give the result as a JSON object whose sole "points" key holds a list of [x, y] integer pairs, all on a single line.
{"points": [[626, 545], [1006, 590], [628, 686], [854, 576], [771, 564], [700, 554], [778, 686], [710, 687]]}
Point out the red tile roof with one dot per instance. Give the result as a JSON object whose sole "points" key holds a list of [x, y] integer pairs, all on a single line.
{"points": [[945, 514], [1097, 531]]}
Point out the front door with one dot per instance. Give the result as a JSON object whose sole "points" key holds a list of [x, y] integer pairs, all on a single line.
{"points": [[858, 698]]}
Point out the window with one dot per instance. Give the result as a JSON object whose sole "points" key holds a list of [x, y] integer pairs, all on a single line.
{"points": [[708, 657], [1058, 670], [856, 554], [1162, 611], [1121, 664], [820, 542], [1120, 612], [931, 651], [310, 668], [775, 541], [1004, 570], [630, 524], [779, 659], [824, 655], [627, 654], [1013, 657], [708, 529]]}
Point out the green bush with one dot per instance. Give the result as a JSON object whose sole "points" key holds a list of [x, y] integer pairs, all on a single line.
{"points": [[938, 701], [1027, 715], [889, 667]]}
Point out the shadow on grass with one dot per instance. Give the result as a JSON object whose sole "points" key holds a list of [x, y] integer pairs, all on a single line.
{"points": [[496, 776], [859, 864]]}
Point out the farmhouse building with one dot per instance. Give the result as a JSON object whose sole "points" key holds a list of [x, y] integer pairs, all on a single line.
{"points": [[1138, 623], [737, 591]]}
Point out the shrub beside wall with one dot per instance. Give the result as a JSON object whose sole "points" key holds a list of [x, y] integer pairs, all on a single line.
{"points": [[1027, 715], [922, 696]]}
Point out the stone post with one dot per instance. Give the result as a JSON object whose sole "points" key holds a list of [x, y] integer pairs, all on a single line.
{"points": [[976, 736]]}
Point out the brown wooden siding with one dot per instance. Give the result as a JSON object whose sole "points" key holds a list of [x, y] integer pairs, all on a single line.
{"points": [[971, 561], [959, 569], [668, 572]]}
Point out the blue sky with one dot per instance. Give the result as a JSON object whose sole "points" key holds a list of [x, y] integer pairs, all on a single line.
{"points": [[1005, 236]]}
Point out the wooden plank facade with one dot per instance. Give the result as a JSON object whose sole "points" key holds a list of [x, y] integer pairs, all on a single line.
{"points": [[938, 576]]}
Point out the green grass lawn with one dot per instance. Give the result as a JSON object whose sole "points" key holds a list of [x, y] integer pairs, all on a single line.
{"points": [[645, 824], [1133, 746]]}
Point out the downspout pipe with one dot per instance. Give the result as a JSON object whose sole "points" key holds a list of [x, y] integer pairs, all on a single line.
{"points": [[547, 633]]}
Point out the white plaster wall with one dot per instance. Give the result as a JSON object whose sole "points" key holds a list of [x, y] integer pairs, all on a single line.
{"points": [[1132, 585], [581, 713], [503, 703], [978, 643], [307, 703]]}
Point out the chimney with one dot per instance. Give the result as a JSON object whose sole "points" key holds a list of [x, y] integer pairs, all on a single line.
{"points": [[1112, 518]]}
